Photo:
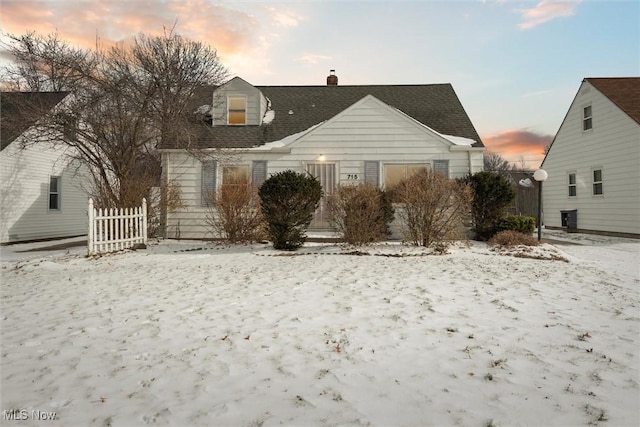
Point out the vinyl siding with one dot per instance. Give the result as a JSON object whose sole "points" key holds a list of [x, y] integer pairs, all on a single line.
{"points": [[24, 208], [613, 145], [368, 131]]}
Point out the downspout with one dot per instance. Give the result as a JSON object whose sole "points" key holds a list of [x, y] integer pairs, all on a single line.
{"points": [[469, 157]]}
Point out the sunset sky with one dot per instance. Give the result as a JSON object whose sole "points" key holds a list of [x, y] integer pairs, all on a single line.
{"points": [[515, 65]]}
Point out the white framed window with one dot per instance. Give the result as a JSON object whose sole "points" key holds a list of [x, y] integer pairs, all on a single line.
{"points": [[394, 173], [235, 175], [587, 118], [242, 174], [598, 190], [237, 110], [572, 184], [54, 193]]}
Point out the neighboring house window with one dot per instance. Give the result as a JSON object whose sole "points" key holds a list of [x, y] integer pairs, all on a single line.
{"points": [[573, 190], [208, 184], [597, 182], [393, 174], [587, 119], [54, 193], [237, 114]]}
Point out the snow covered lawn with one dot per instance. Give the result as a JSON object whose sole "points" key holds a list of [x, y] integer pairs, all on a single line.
{"points": [[250, 336]]}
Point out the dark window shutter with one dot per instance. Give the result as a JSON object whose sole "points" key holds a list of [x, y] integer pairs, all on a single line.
{"points": [[371, 173], [208, 182], [258, 172], [441, 167]]}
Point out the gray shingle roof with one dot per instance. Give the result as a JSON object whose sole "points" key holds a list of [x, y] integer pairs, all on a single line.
{"points": [[20, 110], [434, 105]]}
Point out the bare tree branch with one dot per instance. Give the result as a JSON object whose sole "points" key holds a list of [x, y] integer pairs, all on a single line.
{"points": [[125, 102]]}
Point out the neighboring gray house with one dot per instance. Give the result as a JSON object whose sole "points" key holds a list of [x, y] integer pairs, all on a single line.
{"points": [[40, 197], [340, 134], [594, 161]]}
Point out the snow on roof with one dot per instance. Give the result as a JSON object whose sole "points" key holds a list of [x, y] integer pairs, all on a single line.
{"points": [[457, 140], [268, 117], [203, 109]]}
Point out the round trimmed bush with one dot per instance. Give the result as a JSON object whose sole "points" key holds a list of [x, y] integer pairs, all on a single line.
{"points": [[289, 200]]}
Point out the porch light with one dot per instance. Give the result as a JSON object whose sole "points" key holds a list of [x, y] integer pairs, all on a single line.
{"points": [[322, 158]]}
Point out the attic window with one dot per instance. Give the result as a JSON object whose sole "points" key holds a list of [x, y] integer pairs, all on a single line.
{"points": [[237, 114], [587, 120]]}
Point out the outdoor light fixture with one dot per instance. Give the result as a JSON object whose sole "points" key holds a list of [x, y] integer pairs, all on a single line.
{"points": [[541, 176], [322, 158]]}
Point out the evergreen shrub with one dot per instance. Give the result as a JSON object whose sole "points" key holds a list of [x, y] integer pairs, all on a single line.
{"points": [[288, 201]]}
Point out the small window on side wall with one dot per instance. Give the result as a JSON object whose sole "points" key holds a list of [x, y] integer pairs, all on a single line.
{"points": [[237, 110], [587, 118], [573, 190], [54, 193], [597, 182]]}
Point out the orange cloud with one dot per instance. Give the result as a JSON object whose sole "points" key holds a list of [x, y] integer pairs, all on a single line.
{"points": [[545, 11], [79, 22], [242, 35], [517, 145]]}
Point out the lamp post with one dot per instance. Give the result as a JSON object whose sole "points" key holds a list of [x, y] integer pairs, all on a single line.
{"points": [[541, 176]]}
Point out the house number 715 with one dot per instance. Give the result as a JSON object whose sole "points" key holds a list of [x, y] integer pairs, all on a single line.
{"points": [[352, 176]]}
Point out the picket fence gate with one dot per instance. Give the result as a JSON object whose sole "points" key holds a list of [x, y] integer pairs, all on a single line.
{"points": [[113, 230]]}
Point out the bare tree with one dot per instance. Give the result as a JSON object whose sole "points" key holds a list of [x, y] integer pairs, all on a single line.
{"points": [[43, 63], [494, 162], [125, 102]]}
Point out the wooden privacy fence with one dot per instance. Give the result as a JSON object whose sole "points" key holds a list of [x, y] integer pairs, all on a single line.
{"points": [[113, 230]]}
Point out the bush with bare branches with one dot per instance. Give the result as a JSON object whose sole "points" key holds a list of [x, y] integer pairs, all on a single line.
{"points": [[434, 208], [510, 238], [236, 214], [361, 213]]}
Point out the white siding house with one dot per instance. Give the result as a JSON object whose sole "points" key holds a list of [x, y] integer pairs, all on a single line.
{"points": [[340, 134], [594, 161], [40, 191]]}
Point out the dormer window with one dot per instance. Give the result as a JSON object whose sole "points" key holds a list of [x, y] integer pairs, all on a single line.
{"points": [[237, 110]]}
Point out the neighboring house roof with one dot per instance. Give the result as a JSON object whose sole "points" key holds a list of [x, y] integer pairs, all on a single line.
{"points": [[622, 91], [21, 110], [298, 108]]}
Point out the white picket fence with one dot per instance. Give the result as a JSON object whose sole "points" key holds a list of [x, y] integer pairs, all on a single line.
{"points": [[113, 230]]}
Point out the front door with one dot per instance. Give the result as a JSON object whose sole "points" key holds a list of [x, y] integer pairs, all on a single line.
{"points": [[326, 174]]}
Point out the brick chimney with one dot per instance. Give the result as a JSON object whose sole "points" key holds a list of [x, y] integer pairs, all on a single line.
{"points": [[332, 79]]}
